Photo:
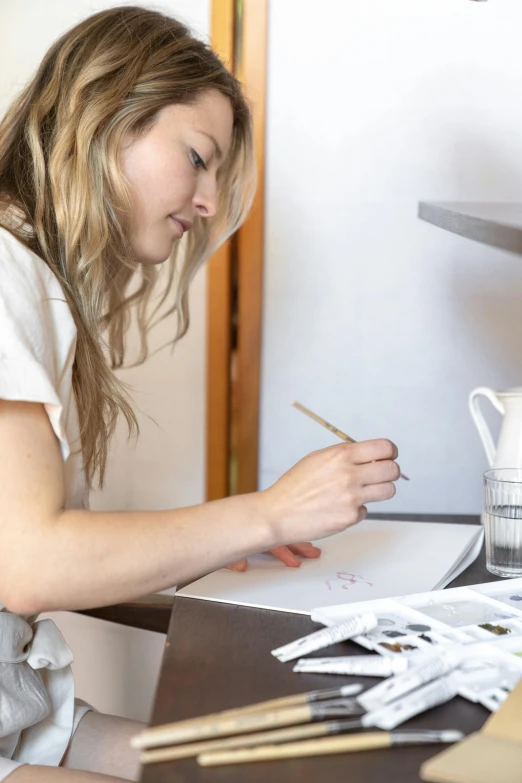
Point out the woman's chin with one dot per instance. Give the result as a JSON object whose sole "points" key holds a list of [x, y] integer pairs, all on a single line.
{"points": [[152, 261], [154, 256]]}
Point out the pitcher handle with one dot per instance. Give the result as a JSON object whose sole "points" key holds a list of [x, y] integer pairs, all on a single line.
{"points": [[480, 422]]}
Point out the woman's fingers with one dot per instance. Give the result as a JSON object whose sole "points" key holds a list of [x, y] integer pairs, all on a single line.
{"points": [[241, 565], [289, 555], [306, 549], [286, 556], [377, 480], [377, 492], [372, 451], [378, 472]]}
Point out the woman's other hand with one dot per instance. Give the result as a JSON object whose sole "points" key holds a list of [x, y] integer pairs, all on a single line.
{"points": [[289, 555]]}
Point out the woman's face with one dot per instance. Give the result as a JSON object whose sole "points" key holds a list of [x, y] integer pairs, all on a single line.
{"points": [[172, 171]]}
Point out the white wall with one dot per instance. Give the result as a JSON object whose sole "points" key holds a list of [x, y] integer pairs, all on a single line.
{"points": [[377, 321], [116, 668]]}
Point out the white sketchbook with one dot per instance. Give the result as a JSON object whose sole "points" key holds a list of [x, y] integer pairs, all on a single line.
{"points": [[375, 559]]}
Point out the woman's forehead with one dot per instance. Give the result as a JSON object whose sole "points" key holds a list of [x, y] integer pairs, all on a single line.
{"points": [[210, 115]]}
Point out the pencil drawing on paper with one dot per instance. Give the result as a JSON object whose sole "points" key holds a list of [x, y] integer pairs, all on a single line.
{"points": [[344, 580]]}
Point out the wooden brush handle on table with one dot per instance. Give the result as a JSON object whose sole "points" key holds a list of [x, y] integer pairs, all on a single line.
{"points": [[319, 747], [244, 741], [155, 736], [152, 737], [175, 734]]}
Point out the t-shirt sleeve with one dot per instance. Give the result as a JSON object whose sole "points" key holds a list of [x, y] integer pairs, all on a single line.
{"points": [[37, 335]]}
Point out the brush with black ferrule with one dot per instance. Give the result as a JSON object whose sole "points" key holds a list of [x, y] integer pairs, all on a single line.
{"points": [[190, 729], [259, 721]]}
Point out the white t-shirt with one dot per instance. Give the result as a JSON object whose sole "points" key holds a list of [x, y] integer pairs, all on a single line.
{"points": [[38, 713], [37, 346]]}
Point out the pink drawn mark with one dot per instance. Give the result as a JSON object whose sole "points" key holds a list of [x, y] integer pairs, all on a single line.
{"points": [[351, 579]]}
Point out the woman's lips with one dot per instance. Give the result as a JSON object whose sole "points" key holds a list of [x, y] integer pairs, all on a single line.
{"points": [[181, 225], [178, 226]]}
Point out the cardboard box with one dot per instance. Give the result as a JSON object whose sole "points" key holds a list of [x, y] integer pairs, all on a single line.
{"points": [[492, 755]]}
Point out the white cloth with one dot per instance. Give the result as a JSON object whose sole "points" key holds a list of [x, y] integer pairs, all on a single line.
{"points": [[37, 345]]}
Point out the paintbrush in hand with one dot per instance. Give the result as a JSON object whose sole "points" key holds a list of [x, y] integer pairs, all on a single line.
{"points": [[329, 426]]}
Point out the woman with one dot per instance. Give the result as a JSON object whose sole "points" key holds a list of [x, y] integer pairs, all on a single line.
{"points": [[132, 145]]}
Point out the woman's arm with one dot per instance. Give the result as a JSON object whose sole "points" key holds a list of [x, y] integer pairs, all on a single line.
{"points": [[51, 559]]}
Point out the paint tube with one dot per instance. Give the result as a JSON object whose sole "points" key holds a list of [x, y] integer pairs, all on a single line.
{"points": [[347, 629], [366, 665], [429, 669], [490, 685], [493, 701], [430, 695]]}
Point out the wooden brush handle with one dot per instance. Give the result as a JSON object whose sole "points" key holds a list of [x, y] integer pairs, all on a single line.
{"points": [[329, 426], [320, 747], [153, 736], [273, 704], [323, 422], [241, 724], [246, 741]]}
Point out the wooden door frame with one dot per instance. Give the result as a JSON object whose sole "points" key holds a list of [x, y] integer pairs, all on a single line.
{"points": [[235, 277]]}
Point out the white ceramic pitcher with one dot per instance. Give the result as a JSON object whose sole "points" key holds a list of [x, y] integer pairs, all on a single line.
{"points": [[508, 452]]}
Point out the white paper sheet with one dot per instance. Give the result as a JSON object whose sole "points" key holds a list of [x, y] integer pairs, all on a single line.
{"points": [[376, 559]]}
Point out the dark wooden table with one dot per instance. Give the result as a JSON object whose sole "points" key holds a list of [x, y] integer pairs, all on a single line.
{"points": [[217, 656]]}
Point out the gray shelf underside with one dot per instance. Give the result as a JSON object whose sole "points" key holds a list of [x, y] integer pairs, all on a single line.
{"points": [[495, 224]]}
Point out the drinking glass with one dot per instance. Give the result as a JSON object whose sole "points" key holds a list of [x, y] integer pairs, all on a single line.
{"points": [[503, 521]]}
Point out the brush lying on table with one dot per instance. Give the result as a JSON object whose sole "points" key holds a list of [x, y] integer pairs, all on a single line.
{"points": [[329, 746], [328, 728], [273, 738], [228, 721], [242, 724], [387, 717], [212, 733]]}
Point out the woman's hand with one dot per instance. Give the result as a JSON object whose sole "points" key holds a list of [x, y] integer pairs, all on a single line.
{"points": [[286, 554], [327, 491]]}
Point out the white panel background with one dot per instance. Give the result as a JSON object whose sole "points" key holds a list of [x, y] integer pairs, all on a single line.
{"points": [[380, 323]]}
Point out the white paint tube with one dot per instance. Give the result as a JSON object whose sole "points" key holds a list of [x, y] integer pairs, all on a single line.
{"points": [[347, 629], [429, 669], [430, 695], [493, 701], [489, 685], [366, 665]]}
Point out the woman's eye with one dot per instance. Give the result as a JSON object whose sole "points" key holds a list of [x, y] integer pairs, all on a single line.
{"points": [[197, 160]]}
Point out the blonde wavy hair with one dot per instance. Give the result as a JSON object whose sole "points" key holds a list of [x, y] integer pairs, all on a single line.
{"points": [[63, 194]]}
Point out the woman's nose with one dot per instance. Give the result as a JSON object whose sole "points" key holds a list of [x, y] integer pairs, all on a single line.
{"points": [[205, 198]]}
